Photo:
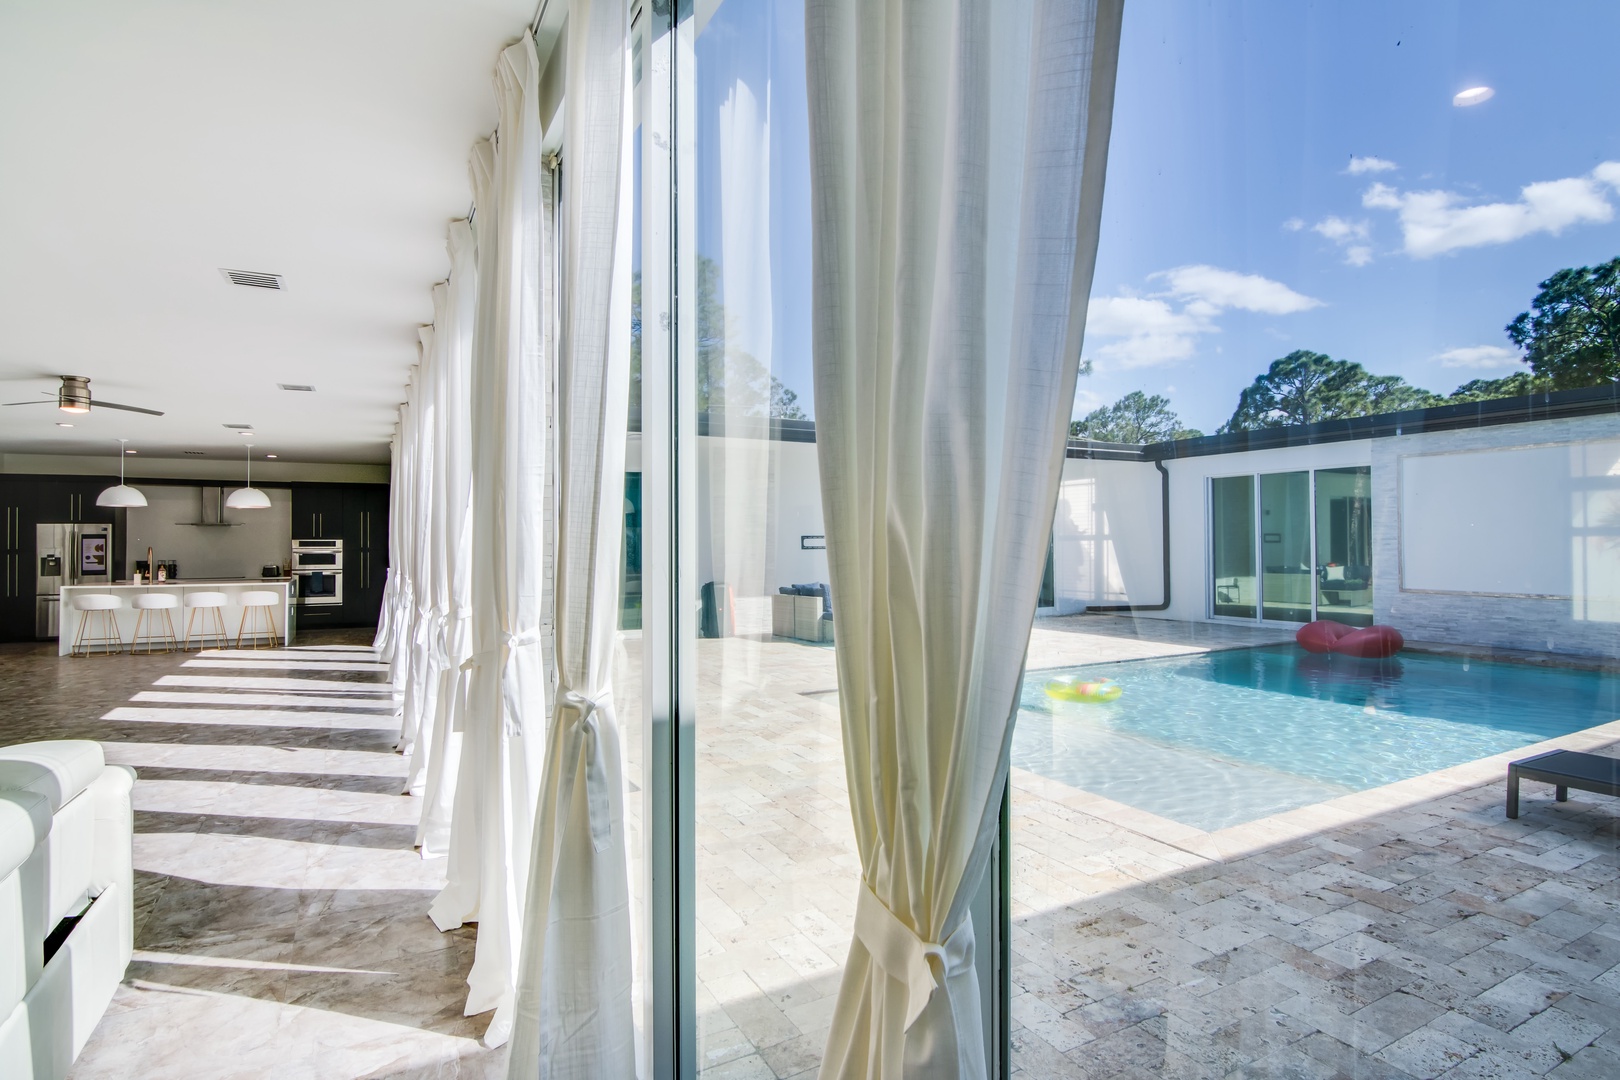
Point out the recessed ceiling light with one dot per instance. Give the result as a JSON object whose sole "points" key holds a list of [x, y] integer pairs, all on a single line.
{"points": [[61, 424], [1474, 95], [269, 455], [131, 451], [249, 434]]}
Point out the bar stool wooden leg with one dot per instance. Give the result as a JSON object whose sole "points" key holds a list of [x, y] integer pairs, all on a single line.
{"points": [[78, 638]]}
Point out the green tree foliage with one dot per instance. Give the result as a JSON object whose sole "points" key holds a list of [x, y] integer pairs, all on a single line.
{"points": [[1515, 385], [1308, 387], [727, 377], [1134, 418], [1571, 334]]}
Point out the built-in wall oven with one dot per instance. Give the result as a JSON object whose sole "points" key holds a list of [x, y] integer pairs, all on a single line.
{"points": [[317, 569]]}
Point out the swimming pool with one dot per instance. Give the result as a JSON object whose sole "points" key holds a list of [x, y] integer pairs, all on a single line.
{"points": [[1217, 739]]}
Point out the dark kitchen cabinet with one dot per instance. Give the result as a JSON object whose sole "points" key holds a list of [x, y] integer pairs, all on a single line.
{"points": [[317, 512], [357, 514], [18, 515], [365, 520]]}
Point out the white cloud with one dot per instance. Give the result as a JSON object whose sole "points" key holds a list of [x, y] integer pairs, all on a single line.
{"points": [[1359, 165], [1483, 357], [1435, 222], [1294, 224], [1146, 331], [1209, 288], [1339, 230], [1358, 255]]}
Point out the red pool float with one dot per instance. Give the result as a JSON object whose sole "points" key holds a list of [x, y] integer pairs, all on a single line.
{"points": [[1368, 643]]}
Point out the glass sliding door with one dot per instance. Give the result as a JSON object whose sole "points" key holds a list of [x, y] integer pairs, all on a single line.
{"points": [[774, 860], [1344, 545], [1234, 591], [1287, 577]]}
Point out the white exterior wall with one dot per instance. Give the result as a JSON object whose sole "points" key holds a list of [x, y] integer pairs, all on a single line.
{"points": [[1506, 536], [1108, 536], [757, 498], [1189, 508]]}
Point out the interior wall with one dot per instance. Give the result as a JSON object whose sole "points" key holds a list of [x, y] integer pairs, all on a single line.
{"points": [[156, 468], [259, 537], [1506, 536]]}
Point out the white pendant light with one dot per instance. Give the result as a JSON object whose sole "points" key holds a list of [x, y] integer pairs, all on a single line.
{"points": [[250, 497], [123, 494]]}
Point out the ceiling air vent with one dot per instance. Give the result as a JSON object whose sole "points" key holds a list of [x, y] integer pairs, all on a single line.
{"points": [[300, 387], [253, 279], [240, 427], [195, 453]]}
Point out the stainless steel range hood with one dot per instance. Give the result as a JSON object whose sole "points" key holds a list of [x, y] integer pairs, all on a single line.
{"points": [[212, 512]]}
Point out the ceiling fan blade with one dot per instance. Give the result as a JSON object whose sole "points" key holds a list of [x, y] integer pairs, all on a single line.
{"points": [[47, 401], [97, 403]]}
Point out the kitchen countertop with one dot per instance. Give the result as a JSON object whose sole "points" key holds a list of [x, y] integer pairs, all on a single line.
{"points": [[179, 583]]}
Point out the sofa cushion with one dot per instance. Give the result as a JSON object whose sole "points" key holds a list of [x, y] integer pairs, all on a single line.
{"points": [[25, 821], [58, 769]]}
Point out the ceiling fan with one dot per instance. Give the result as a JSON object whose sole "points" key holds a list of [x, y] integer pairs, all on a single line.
{"points": [[74, 396]]}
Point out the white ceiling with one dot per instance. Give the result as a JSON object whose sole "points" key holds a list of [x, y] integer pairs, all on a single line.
{"points": [[145, 145]]}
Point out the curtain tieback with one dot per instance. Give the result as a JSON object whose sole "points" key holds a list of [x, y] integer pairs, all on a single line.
{"points": [[502, 654], [905, 956], [585, 726]]}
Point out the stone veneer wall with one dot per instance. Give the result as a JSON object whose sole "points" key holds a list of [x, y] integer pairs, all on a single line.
{"points": [[1517, 622]]}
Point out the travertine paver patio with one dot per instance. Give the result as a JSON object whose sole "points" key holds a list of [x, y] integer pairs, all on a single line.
{"points": [[1406, 932]]}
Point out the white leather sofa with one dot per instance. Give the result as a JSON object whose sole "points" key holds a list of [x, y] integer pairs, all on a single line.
{"points": [[66, 900]]}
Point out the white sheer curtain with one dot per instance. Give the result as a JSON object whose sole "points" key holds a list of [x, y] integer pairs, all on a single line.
{"points": [[422, 681], [574, 1005], [958, 154], [384, 641], [508, 694], [441, 746], [404, 622]]}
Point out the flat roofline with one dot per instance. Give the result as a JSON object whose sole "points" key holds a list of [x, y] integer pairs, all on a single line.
{"points": [[1529, 408]]}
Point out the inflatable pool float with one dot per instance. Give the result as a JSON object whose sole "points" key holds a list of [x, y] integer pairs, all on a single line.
{"points": [[1094, 691], [1368, 643]]}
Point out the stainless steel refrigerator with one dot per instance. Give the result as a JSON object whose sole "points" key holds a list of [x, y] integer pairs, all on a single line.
{"points": [[68, 554]]}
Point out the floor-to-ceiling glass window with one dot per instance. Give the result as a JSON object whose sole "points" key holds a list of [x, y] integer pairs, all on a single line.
{"points": [[1287, 577], [776, 870], [1234, 590], [1353, 263]]}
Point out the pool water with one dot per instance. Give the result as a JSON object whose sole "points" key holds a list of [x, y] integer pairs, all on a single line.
{"points": [[1218, 739]]}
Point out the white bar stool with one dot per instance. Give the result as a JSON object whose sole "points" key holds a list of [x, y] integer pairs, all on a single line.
{"points": [[256, 607], [99, 606], [206, 604], [155, 603]]}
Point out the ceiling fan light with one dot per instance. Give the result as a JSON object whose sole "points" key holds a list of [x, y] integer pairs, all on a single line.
{"points": [[73, 395], [247, 498], [121, 495]]}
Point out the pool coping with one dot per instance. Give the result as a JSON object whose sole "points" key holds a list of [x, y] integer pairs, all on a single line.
{"points": [[1239, 841]]}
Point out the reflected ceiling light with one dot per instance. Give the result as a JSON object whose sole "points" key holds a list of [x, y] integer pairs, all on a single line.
{"points": [[1474, 95], [123, 494], [250, 497], [63, 423]]}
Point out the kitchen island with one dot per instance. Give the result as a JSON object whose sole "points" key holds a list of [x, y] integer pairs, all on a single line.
{"points": [[233, 588]]}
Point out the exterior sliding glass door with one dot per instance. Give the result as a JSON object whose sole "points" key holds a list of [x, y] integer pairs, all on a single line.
{"points": [[1234, 588], [1300, 551]]}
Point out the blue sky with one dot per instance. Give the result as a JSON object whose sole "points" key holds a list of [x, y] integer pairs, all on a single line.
{"points": [[1282, 175]]}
